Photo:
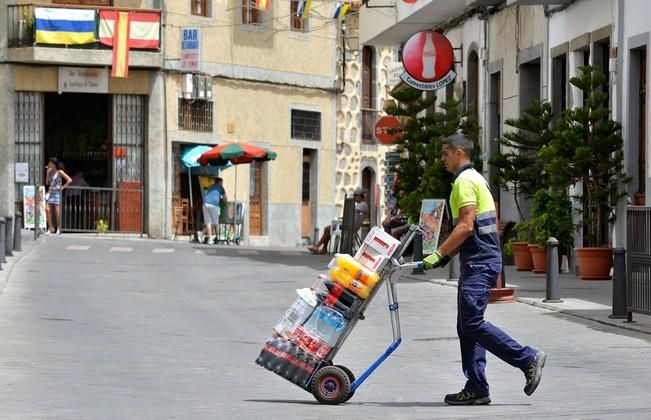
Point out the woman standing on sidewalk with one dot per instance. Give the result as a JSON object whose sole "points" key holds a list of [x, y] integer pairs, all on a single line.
{"points": [[54, 180]]}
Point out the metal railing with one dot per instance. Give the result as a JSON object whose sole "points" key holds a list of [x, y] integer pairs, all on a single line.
{"points": [[110, 210], [21, 25], [638, 267]]}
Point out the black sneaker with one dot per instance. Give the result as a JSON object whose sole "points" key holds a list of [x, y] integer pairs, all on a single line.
{"points": [[534, 372], [466, 398]]}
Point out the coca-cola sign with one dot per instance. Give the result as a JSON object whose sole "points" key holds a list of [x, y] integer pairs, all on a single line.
{"points": [[428, 59]]}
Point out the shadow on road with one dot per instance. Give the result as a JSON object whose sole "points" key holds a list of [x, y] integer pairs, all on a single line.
{"points": [[396, 404]]}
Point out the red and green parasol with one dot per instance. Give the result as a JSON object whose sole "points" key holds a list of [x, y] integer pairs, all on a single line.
{"points": [[235, 153]]}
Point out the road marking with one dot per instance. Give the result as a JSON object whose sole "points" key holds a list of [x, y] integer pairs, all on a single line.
{"points": [[198, 251], [163, 251], [248, 252], [77, 248], [292, 253], [120, 249]]}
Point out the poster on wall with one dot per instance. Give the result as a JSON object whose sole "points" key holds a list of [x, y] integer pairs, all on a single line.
{"points": [[431, 217], [29, 206]]}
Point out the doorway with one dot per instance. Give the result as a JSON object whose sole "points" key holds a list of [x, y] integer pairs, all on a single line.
{"points": [[495, 131], [77, 132], [368, 185], [637, 125], [308, 196], [256, 172]]}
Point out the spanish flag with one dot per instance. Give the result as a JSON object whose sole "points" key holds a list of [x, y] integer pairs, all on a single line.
{"points": [[144, 29], [262, 4], [121, 46], [64, 26]]}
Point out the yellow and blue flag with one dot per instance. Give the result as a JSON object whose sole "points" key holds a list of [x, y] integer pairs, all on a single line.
{"points": [[303, 10], [65, 26], [340, 10]]}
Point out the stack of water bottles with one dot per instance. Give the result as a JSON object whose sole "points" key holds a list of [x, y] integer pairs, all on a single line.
{"points": [[314, 323]]}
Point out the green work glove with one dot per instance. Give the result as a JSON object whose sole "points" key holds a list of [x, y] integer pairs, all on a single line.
{"points": [[435, 260]]}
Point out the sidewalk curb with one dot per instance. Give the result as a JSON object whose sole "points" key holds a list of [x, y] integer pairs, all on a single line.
{"points": [[614, 323], [5, 275], [618, 323]]}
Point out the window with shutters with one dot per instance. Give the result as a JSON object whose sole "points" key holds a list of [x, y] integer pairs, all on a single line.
{"points": [[368, 99], [251, 15], [200, 8], [306, 125], [195, 115], [297, 23]]}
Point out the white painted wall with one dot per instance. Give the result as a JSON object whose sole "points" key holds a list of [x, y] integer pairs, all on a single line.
{"points": [[583, 16]]}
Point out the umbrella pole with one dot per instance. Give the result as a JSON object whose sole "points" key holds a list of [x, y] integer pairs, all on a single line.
{"points": [[190, 184]]}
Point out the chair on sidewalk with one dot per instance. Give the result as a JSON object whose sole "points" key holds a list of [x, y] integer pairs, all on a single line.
{"points": [[335, 236]]}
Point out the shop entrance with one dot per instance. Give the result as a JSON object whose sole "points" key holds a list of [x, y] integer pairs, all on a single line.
{"points": [[100, 140], [76, 131]]}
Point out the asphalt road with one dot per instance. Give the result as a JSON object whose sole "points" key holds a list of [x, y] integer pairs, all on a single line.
{"points": [[135, 329]]}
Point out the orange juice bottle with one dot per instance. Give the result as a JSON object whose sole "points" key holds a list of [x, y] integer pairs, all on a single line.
{"points": [[340, 276], [356, 270]]}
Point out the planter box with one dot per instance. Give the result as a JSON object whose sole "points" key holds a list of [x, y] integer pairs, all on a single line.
{"points": [[595, 263], [539, 257], [522, 256]]}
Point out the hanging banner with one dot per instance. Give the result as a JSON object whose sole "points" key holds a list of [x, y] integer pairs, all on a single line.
{"points": [[428, 59], [431, 218]]}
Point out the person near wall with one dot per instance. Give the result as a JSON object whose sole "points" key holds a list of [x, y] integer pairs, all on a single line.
{"points": [[56, 180], [361, 215], [474, 237]]}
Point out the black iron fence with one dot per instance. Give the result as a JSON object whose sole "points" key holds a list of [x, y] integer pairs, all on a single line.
{"points": [[104, 210], [638, 271]]}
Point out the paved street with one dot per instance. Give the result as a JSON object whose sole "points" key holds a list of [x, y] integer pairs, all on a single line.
{"points": [[136, 329]]}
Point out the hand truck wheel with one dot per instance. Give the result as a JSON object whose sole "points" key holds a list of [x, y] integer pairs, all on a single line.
{"points": [[351, 378], [330, 385]]}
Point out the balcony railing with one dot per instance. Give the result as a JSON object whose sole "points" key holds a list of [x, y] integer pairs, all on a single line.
{"points": [[21, 26]]}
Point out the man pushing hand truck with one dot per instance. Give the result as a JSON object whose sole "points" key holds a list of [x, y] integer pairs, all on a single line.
{"points": [[475, 239]]}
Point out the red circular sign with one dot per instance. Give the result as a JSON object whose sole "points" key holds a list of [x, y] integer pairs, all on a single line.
{"points": [[428, 56], [387, 130]]}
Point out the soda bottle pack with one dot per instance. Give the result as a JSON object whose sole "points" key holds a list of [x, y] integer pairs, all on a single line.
{"points": [[313, 324]]}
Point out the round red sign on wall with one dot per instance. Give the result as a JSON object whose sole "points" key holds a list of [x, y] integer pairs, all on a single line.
{"points": [[428, 56], [387, 130]]}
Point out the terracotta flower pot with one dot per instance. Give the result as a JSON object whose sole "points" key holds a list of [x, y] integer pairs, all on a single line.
{"points": [[539, 257], [522, 256], [595, 263]]}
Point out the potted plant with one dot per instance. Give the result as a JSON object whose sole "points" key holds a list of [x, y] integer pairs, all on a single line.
{"points": [[551, 217], [587, 151], [520, 172], [519, 246]]}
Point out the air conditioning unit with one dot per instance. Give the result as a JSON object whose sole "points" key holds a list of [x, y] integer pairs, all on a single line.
{"points": [[188, 86], [199, 88], [208, 88]]}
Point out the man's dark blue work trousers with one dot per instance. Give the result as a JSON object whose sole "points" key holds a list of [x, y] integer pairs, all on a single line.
{"points": [[477, 335]]}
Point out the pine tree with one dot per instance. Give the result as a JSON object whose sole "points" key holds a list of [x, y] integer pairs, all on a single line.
{"points": [[420, 172], [520, 172]]}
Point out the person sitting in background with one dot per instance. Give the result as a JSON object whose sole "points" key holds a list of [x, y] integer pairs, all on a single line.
{"points": [[395, 223], [361, 214]]}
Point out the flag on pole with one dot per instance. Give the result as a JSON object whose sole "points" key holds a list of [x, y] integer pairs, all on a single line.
{"points": [[340, 10], [262, 4], [64, 26], [303, 9], [144, 29], [121, 46]]}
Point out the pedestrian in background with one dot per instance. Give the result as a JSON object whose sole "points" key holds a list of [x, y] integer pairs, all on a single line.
{"points": [[215, 195], [54, 179], [474, 237]]}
